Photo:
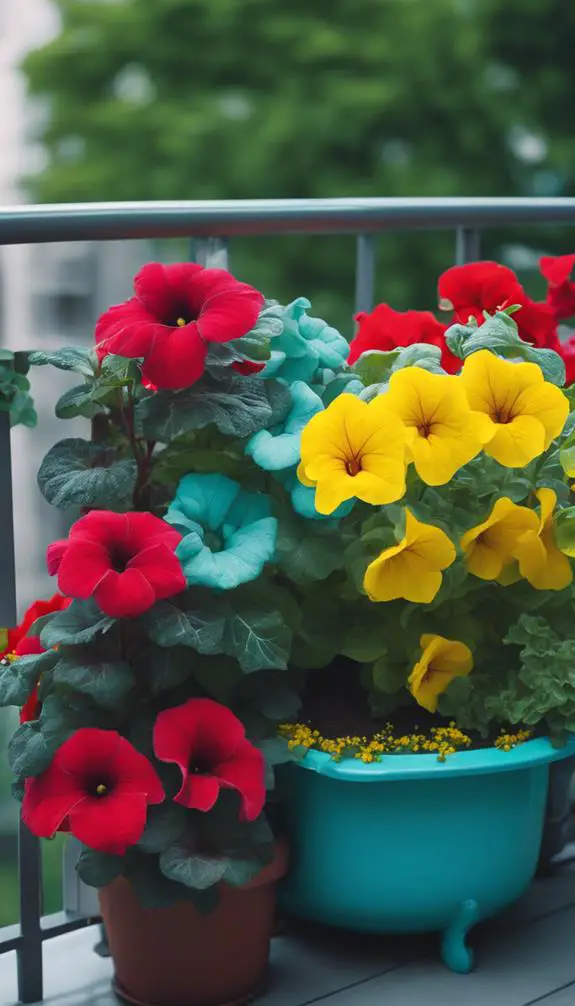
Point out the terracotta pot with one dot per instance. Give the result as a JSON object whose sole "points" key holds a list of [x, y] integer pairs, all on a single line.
{"points": [[176, 957]]}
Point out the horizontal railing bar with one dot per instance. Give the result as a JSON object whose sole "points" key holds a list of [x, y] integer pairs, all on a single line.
{"points": [[120, 221], [10, 938], [60, 923]]}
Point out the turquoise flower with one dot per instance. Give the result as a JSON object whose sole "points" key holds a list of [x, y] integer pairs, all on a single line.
{"points": [[279, 448], [229, 534], [306, 348], [303, 499]]}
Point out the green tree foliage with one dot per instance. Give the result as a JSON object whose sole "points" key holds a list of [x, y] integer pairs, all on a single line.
{"points": [[230, 99]]}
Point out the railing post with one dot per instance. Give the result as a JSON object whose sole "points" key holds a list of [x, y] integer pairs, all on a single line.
{"points": [[467, 245], [8, 617], [30, 977], [364, 272], [211, 252]]}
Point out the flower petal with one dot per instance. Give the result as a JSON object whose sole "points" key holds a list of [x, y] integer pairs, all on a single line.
{"points": [[124, 595], [110, 824], [85, 564], [246, 774], [48, 799], [176, 357], [162, 570]]}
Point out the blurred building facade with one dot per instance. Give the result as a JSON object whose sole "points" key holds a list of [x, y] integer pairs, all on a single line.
{"points": [[50, 295]]}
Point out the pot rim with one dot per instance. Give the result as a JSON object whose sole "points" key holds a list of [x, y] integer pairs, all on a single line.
{"points": [[398, 767]]}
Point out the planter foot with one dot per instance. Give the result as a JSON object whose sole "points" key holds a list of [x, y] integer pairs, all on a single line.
{"points": [[454, 950]]}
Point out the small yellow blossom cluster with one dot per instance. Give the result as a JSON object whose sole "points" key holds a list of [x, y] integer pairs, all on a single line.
{"points": [[441, 741], [507, 741]]}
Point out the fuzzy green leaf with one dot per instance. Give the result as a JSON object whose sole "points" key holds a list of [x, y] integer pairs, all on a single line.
{"points": [[107, 682], [200, 627], [76, 401], [79, 360], [166, 824], [98, 869], [258, 639], [191, 869], [80, 623], [498, 333], [17, 679], [304, 552], [76, 473], [237, 406]]}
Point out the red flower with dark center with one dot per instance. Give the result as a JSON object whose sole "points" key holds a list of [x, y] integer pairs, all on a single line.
{"points": [[126, 562], [558, 271], [567, 351], [98, 787], [478, 287], [209, 746], [20, 644], [177, 310], [385, 329]]}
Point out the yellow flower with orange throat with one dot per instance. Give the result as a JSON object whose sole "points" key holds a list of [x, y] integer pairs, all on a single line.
{"points": [[354, 449], [525, 411], [540, 561], [412, 569], [491, 547], [440, 662], [443, 432]]}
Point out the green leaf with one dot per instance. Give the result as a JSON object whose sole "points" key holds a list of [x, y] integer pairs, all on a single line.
{"points": [[258, 639], [80, 623], [238, 406], [191, 869], [498, 333], [107, 682], [81, 361], [17, 678], [76, 401], [375, 366], [98, 869], [306, 552], [166, 824], [164, 667], [29, 753], [364, 639], [201, 627], [565, 531], [240, 871], [154, 890], [218, 676], [78, 473], [388, 677]]}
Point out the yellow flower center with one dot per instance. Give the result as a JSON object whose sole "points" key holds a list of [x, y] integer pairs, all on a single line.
{"points": [[101, 789], [181, 322]]}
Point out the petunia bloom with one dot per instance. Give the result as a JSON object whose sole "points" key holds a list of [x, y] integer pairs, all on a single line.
{"points": [[98, 787], [385, 329], [558, 271], [440, 662], [20, 643], [306, 348], [478, 287], [413, 568], [443, 433], [526, 412], [354, 449], [491, 546], [176, 312], [209, 746], [126, 562], [540, 561], [228, 534], [277, 449]]}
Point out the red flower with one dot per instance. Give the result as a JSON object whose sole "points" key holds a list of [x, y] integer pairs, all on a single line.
{"points": [[177, 310], [127, 562], [469, 290], [98, 787], [208, 744], [386, 329], [561, 289], [567, 351], [20, 644]]}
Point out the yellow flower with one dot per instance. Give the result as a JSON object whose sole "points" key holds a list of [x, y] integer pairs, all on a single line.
{"points": [[491, 546], [443, 433], [540, 561], [354, 449], [526, 412], [441, 661], [412, 568]]}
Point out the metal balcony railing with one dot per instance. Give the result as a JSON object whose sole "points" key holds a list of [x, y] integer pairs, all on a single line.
{"points": [[210, 226]]}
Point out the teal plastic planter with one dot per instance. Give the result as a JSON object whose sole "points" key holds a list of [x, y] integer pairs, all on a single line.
{"points": [[410, 844]]}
